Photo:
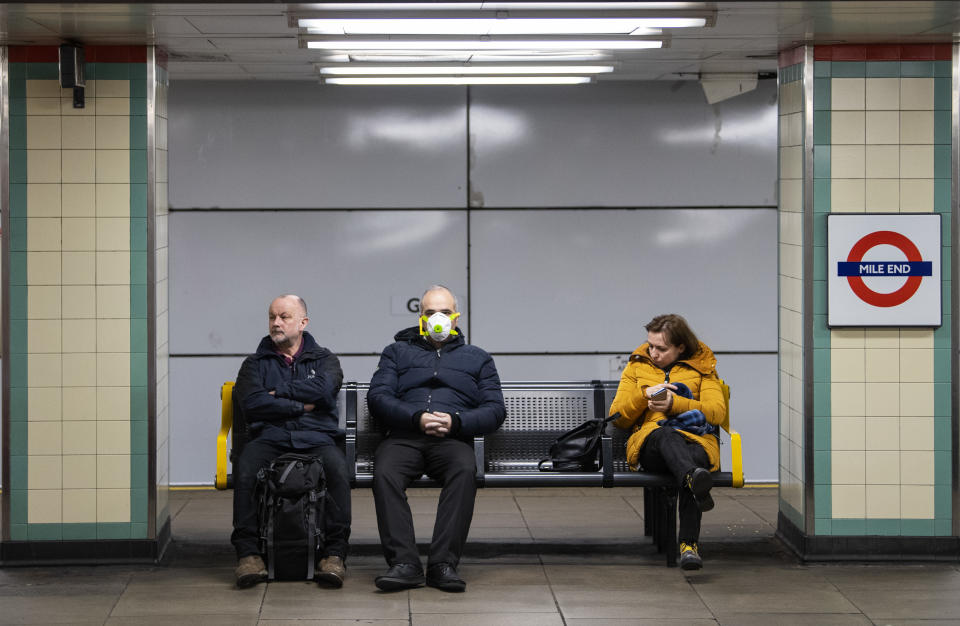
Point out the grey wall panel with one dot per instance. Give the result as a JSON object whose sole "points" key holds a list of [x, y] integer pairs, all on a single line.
{"points": [[290, 145], [588, 280], [355, 270], [627, 144]]}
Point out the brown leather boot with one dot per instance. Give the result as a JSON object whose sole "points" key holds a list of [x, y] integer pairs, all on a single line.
{"points": [[332, 571], [250, 571]]}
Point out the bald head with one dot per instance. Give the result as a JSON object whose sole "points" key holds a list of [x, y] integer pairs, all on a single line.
{"points": [[287, 320], [439, 290]]}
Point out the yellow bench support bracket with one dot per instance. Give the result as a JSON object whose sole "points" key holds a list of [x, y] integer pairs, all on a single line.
{"points": [[226, 422]]}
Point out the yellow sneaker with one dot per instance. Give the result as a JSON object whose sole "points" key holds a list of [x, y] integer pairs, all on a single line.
{"points": [[690, 556]]}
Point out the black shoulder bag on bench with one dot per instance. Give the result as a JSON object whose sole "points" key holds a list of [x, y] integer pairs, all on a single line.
{"points": [[577, 450]]}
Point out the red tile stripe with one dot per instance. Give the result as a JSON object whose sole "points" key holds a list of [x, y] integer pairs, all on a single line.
{"points": [[94, 54], [884, 52]]}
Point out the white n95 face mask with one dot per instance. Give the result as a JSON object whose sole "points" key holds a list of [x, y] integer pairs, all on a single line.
{"points": [[438, 326]]}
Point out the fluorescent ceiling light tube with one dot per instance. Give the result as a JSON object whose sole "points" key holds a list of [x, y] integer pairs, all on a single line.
{"points": [[494, 26], [484, 45], [501, 6], [460, 80], [497, 56], [465, 69]]}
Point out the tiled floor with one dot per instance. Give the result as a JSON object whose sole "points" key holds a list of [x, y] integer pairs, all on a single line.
{"points": [[536, 557]]}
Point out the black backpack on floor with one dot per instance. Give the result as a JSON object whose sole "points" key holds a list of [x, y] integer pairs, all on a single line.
{"points": [[291, 496]]}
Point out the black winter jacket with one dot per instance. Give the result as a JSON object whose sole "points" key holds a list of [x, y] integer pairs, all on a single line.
{"points": [[313, 378], [413, 377]]}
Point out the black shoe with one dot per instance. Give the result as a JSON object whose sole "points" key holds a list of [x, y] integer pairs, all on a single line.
{"points": [[444, 577], [699, 481], [400, 576]]}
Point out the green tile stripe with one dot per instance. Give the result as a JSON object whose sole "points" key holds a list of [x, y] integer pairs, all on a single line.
{"points": [[790, 74]]}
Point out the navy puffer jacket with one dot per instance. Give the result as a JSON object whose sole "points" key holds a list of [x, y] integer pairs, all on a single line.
{"points": [[413, 377]]}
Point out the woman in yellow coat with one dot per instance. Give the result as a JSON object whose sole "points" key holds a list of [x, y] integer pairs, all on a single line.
{"points": [[672, 400]]}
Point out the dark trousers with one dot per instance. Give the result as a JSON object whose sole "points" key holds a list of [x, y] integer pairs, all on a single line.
{"points": [[399, 462], [257, 454], [666, 450]]}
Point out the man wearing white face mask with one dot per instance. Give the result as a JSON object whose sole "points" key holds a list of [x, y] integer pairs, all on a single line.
{"points": [[434, 393]]}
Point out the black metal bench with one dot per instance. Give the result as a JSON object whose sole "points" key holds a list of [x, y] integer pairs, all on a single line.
{"points": [[537, 412]]}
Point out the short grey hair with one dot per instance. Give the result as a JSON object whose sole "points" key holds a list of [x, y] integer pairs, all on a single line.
{"points": [[300, 301], [439, 287]]}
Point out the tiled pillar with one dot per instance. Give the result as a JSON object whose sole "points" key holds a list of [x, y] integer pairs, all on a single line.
{"points": [[867, 415], [85, 428]]}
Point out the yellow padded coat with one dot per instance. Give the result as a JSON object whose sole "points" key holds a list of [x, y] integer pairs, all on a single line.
{"points": [[699, 373]]}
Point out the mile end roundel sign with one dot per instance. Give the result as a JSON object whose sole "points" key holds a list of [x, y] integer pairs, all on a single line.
{"points": [[883, 269]]}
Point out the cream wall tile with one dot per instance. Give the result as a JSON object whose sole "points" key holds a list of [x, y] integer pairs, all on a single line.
{"points": [[883, 399], [847, 365], [113, 335], [113, 200], [848, 501], [113, 106], [916, 127], [847, 433], [916, 94], [80, 471], [848, 467], [43, 506], [79, 133], [848, 399], [882, 127], [113, 301], [43, 404], [113, 505], [882, 94], [43, 438], [43, 336], [79, 506], [113, 166], [79, 301], [43, 234], [882, 195], [79, 166], [79, 268], [847, 195], [43, 132], [79, 335], [113, 369], [916, 338], [44, 472], [883, 468], [113, 268], [916, 161], [79, 403], [43, 200], [882, 338], [847, 161], [847, 94], [916, 467], [43, 370], [916, 502], [793, 124], [37, 88], [79, 233], [113, 437], [916, 366], [79, 369], [883, 501], [43, 166], [113, 233], [916, 433], [791, 162], [883, 433], [846, 127], [80, 438], [113, 132], [43, 302], [113, 471], [113, 89], [113, 403], [883, 365], [43, 106], [847, 338], [882, 161], [79, 200], [916, 400], [916, 195]]}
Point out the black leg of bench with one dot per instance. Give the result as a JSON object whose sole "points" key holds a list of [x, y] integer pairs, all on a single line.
{"points": [[648, 522], [670, 531]]}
